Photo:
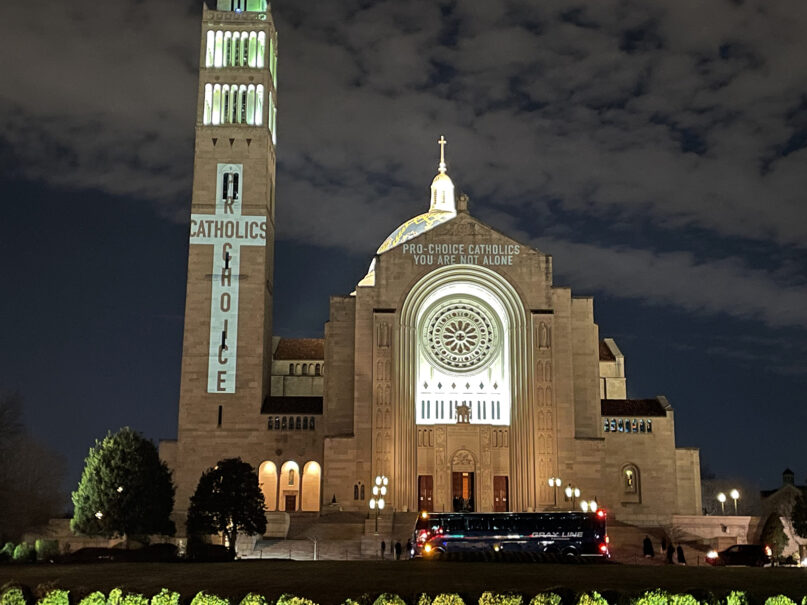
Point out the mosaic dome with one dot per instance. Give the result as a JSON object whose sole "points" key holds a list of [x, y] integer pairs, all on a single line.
{"points": [[442, 208]]}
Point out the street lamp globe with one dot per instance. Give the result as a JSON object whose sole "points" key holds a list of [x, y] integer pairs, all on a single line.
{"points": [[372, 503], [568, 491]]}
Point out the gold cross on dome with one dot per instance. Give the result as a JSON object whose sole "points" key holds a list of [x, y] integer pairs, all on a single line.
{"points": [[442, 142]]}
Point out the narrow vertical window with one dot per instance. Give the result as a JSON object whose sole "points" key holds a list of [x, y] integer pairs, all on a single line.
{"points": [[228, 38], [217, 104], [311, 427], [356, 491], [244, 49], [251, 104], [217, 56], [208, 108], [261, 49], [277, 423], [210, 48], [221, 412], [270, 423], [259, 105], [283, 424], [242, 104], [649, 426], [234, 49], [225, 104], [252, 59], [298, 424], [305, 423]]}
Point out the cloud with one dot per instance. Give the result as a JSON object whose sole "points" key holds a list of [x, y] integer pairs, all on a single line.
{"points": [[672, 115]]}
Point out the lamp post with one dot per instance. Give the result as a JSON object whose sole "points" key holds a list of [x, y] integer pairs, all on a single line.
{"points": [[721, 497], [573, 493], [735, 495], [377, 501], [555, 483]]}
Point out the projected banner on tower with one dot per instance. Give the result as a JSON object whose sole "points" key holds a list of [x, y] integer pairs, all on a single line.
{"points": [[227, 231]]}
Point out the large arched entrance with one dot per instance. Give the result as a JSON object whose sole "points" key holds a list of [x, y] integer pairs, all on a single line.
{"points": [[288, 496]]}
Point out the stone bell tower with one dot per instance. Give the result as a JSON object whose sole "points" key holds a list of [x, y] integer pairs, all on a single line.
{"points": [[226, 356]]}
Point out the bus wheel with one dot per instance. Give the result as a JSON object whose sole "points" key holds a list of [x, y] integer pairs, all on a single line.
{"points": [[570, 554]]}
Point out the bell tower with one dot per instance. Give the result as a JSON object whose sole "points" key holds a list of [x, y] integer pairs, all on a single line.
{"points": [[227, 347]]}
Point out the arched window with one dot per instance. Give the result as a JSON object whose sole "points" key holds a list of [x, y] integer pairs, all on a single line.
{"points": [[252, 59], [291, 476], [283, 424], [244, 50], [277, 423], [217, 55], [270, 423], [216, 104], [298, 369], [356, 491], [649, 425], [259, 105], [311, 423], [298, 424], [228, 48], [225, 104], [261, 48], [208, 109], [318, 370], [305, 369], [251, 104], [305, 423], [210, 48], [291, 369]]}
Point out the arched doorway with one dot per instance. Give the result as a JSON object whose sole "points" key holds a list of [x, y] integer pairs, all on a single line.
{"points": [[288, 496], [463, 475], [312, 474], [267, 479]]}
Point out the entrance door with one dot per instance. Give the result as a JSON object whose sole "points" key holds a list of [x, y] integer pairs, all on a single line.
{"points": [[291, 503], [500, 494], [462, 488], [425, 493]]}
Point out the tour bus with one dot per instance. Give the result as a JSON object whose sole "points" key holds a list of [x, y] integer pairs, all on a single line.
{"points": [[568, 534]]}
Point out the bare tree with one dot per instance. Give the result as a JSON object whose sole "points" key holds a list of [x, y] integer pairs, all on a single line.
{"points": [[30, 475]]}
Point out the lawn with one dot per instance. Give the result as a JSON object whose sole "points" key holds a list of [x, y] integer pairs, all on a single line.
{"points": [[330, 582]]}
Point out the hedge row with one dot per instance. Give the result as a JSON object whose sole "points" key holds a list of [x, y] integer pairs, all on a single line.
{"points": [[17, 595]]}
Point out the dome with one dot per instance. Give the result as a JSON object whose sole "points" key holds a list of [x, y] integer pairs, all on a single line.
{"points": [[442, 208]]}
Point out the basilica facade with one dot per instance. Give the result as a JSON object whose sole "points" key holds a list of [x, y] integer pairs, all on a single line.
{"points": [[455, 368]]}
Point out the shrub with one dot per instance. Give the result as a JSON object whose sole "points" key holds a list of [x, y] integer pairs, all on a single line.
{"points": [[24, 553], [388, 598], [779, 599], [424, 599], [653, 597], [349, 601], [594, 598], [135, 599], [56, 596], [13, 595], [736, 597], [94, 598], [203, 598], [683, 599], [290, 599], [448, 599], [546, 598], [115, 597], [169, 597], [252, 599], [496, 598], [7, 551]]}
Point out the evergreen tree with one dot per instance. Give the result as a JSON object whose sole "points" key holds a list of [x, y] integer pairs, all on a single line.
{"points": [[125, 489], [227, 500], [773, 535], [798, 516]]}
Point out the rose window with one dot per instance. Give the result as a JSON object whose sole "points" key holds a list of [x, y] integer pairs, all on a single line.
{"points": [[459, 336]]}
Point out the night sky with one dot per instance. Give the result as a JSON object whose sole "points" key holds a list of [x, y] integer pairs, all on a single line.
{"points": [[656, 149]]}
